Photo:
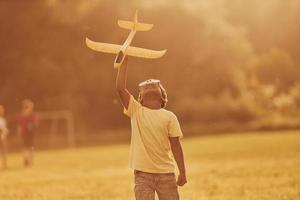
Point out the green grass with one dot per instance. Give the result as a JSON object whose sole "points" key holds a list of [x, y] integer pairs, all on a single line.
{"points": [[234, 166]]}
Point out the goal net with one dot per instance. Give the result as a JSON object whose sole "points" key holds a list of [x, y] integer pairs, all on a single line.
{"points": [[57, 125]]}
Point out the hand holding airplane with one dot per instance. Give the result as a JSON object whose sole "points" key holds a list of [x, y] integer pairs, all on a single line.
{"points": [[123, 50]]}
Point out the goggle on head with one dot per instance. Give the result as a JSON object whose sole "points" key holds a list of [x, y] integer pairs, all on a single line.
{"points": [[149, 82]]}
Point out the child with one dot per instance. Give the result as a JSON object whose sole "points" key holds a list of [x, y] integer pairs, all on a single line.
{"points": [[3, 136], [27, 124], [155, 134]]}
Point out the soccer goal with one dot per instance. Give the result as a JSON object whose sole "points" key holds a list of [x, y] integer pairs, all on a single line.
{"points": [[54, 118]]}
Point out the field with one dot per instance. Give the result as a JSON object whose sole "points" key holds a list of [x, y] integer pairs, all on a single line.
{"points": [[250, 166]]}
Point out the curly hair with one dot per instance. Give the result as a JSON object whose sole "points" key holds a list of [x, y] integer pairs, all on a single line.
{"points": [[164, 96]]}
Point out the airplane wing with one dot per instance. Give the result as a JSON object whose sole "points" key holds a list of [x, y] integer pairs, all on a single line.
{"points": [[144, 53], [103, 47]]}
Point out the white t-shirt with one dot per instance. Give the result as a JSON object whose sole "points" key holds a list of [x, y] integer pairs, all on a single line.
{"points": [[150, 149]]}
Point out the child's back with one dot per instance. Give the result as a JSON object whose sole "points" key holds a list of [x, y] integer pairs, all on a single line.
{"points": [[150, 147]]}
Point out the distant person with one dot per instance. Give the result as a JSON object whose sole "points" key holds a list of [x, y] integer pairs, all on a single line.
{"points": [[155, 135], [3, 137], [26, 130]]}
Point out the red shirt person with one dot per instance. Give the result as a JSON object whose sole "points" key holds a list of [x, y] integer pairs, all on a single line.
{"points": [[27, 124]]}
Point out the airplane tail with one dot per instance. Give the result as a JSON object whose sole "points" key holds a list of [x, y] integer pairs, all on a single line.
{"points": [[136, 26]]}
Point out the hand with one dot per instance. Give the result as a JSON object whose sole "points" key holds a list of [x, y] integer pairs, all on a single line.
{"points": [[181, 180]]}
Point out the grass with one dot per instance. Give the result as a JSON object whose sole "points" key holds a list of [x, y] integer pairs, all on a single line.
{"points": [[250, 166]]}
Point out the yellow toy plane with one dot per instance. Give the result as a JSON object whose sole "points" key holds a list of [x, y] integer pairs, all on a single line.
{"points": [[126, 49]]}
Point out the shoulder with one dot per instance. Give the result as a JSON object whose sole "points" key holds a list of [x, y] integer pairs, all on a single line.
{"points": [[133, 106], [132, 98], [169, 113], [134, 102]]}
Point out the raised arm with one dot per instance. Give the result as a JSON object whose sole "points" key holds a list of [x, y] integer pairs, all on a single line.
{"points": [[178, 155], [121, 83]]}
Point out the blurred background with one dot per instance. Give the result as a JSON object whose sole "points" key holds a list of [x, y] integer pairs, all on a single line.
{"points": [[230, 65]]}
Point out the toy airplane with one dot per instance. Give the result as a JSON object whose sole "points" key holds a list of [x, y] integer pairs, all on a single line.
{"points": [[126, 49]]}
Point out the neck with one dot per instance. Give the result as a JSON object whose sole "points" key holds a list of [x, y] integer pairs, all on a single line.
{"points": [[152, 104]]}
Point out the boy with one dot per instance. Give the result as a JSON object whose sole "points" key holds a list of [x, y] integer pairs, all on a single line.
{"points": [[155, 134], [3, 136], [27, 124]]}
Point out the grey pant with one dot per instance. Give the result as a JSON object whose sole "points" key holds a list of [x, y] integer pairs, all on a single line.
{"points": [[146, 184]]}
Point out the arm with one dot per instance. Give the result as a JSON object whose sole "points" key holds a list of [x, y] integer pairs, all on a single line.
{"points": [[178, 155], [3, 130], [121, 84]]}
